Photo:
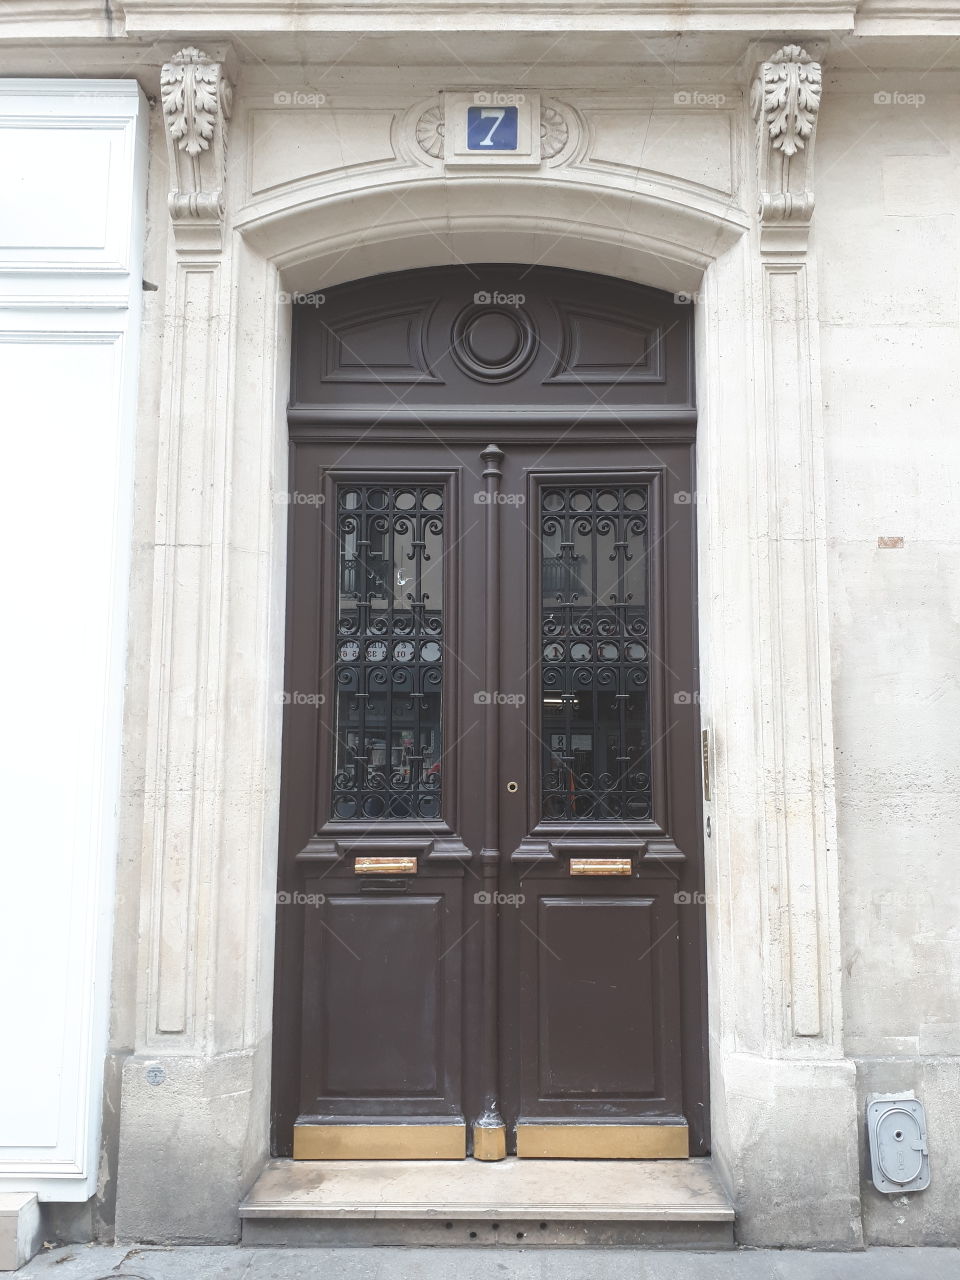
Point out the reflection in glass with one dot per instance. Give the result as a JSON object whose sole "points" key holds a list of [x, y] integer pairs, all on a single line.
{"points": [[389, 652], [595, 677]]}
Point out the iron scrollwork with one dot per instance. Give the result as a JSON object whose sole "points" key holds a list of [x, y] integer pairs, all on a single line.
{"points": [[389, 652], [595, 653]]}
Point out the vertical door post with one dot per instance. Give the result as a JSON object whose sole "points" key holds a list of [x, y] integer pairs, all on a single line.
{"points": [[489, 1131]]}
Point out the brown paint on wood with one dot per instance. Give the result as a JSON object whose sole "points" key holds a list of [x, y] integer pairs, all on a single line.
{"points": [[599, 995]]}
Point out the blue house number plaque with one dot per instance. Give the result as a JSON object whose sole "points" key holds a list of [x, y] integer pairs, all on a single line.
{"points": [[492, 128]]}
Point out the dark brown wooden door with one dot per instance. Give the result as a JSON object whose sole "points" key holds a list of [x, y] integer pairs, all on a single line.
{"points": [[490, 900]]}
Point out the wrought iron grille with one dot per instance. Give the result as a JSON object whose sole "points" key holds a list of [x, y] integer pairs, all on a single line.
{"points": [[389, 652], [595, 653]]}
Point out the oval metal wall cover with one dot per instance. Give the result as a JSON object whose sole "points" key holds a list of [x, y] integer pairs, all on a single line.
{"points": [[898, 1144], [899, 1148]]}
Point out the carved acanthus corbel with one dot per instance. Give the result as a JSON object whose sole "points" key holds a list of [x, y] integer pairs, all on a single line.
{"points": [[786, 100], [196, 98]]}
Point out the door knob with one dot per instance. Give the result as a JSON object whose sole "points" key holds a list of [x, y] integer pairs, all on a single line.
{"points": [[513, 787]]}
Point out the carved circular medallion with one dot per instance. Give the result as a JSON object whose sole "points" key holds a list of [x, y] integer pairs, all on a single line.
{"points": [[430, 131], [554, 132], [493, 343]]}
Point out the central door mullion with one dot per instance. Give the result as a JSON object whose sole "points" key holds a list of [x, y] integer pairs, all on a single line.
{"points": [[489, 1131]]}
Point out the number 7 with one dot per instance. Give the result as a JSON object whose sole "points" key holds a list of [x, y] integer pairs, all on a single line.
{"points": [[497, 115]]}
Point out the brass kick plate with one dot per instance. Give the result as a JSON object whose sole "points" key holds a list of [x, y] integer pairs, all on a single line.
{"points": [[385, 866], [379, 1142], [600, 866], [603, 1141]]}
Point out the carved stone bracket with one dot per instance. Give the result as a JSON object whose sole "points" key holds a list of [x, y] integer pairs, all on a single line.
{"points": [[196, 98], [785, 100]]}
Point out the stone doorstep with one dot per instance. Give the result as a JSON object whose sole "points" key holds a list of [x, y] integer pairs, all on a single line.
{"points": [[680, 1203], [19, 1228]]}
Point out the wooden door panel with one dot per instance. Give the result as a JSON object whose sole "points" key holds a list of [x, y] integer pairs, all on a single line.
{"points": [[596, 1019], [382, 999], [596, 989], [380, 979], [596, 998]]}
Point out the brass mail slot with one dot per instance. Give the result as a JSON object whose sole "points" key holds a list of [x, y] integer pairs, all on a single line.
{"points": [[385, 866], [600, 866]]}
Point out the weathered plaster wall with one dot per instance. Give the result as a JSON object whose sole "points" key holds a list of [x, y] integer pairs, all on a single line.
{"points": [[888, 191]]}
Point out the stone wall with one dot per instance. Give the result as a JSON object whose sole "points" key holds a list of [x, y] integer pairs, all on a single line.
{"points": [[887, 201]]}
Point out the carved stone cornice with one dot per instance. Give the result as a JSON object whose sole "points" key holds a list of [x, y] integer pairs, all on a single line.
{"points": [[785, 100], [196, 98]]}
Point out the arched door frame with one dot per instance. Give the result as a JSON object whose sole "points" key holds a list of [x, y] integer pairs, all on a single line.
{"points": [[772, 904]]}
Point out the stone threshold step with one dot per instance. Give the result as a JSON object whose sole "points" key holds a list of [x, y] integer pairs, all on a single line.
{"points": [[680, 1203]]}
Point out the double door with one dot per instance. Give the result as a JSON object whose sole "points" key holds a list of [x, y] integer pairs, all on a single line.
{"points": [[490, 895]]}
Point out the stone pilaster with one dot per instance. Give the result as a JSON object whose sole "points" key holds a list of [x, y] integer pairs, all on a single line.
{"points": [[787, 1114], [190, 1140], [798, 741]]}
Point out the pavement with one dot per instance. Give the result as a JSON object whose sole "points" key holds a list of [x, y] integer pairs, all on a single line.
{"points": [[233, 1262]]}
